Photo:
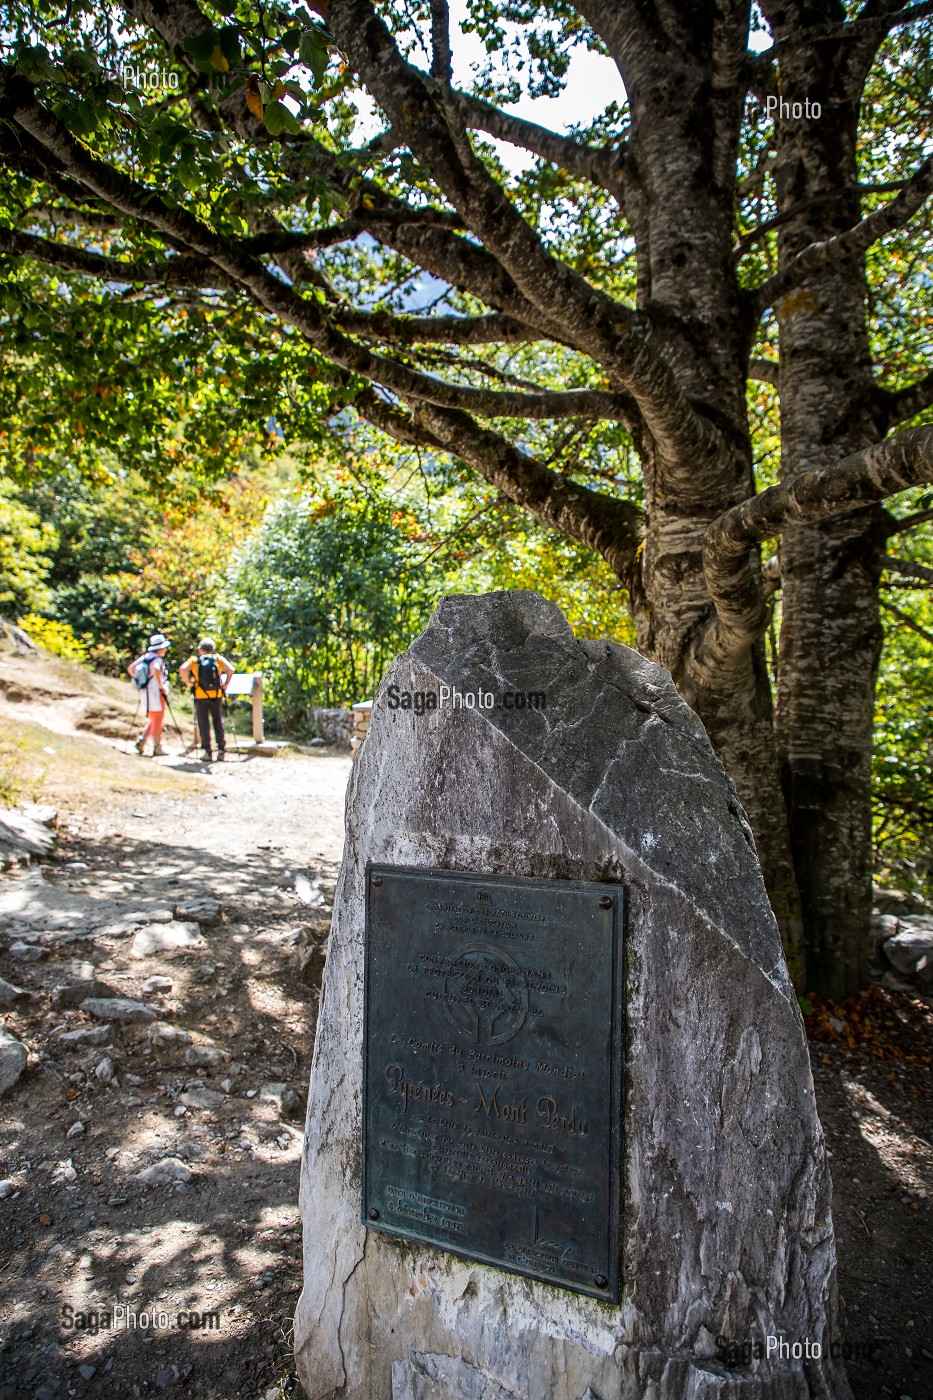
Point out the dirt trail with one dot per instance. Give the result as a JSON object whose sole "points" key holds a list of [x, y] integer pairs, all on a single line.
{"points": [[207, 1088]]}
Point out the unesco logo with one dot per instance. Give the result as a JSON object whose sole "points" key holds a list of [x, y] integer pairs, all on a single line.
{"points": [[485, 995]]}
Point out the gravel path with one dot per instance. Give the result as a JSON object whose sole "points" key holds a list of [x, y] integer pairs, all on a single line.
{"points": [[153, 1168]]}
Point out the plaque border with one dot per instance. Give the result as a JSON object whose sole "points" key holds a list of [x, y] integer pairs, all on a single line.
{"points": [[612, 1293]]}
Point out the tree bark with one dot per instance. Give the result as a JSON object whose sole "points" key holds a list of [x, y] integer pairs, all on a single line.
{"points": [[830, 636], [681, 157]]}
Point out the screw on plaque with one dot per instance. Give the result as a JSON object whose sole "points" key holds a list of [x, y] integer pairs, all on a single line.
{"points": [[601, 1281], [373, 1213], [376, 881], [605, 902]]}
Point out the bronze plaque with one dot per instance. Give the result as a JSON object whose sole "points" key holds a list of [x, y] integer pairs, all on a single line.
{"points": [[493, 1070]]}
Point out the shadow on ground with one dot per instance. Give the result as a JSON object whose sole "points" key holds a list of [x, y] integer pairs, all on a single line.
{"points": [[97, 1265]]}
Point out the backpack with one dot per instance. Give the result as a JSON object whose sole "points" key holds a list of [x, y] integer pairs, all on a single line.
{"points": [[208, 674], [141, 674]]}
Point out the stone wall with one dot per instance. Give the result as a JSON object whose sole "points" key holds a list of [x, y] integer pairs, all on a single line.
{"points": [[333, 726]]}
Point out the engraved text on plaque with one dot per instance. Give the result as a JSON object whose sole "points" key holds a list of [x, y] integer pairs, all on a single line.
{"points": [[493, 1070]]}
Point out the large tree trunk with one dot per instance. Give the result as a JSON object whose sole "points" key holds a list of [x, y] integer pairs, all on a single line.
{"points": [[831, 635], [683, 162]]}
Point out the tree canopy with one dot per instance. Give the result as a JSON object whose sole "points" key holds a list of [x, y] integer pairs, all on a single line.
{"points": [[580, 327]]}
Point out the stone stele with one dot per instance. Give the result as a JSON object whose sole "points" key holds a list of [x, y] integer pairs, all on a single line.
{"points": [[726, 1224]]}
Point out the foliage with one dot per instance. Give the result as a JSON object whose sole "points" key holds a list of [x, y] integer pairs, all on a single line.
{"points": [[903, 757], [56, 637], [328, 591], [174, 577], [498, 546], [25, 546], [230, 259], [129, 561], [17, 783]]}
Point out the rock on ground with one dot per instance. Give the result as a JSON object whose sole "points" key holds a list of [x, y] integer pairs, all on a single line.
{"points": [[204, 911], [164, 1173], [122, 1009], [160, 1033], [10, 993], [22, 838], [911, 948], [73, 993], [84, 1035], [13, 1057], [727, 1227], [165, 938]]}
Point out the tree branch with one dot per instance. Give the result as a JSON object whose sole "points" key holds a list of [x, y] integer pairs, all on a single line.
{"points": [[907, 621], [904, 404], [465, 266], [592, 321], [493, 329], [603, 166], [877, 25], [182, 271], [62, 215], [853, 241], [441, 62], [767, 371], [908, 568], [909, 522], [863, 479], [550, 404], [609, 526], [306, 315]]}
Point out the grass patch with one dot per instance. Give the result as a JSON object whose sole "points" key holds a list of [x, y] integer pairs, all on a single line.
{"points": [[69, 771]]}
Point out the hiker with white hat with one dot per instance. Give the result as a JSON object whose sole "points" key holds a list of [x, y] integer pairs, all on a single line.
{"points": [[150, 676]]}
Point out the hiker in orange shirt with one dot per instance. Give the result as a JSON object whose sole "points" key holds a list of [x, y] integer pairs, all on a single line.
{"points": [[150, 676], [208, 674]]}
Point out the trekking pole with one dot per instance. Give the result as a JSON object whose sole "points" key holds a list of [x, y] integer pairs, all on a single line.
{"points": [[236, 744], [177, 726], [126, 737]]}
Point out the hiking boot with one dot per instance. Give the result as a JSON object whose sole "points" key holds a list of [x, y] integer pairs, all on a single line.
{"points": [[157, 752], [140, 744], [205, 755], [221, 755]]}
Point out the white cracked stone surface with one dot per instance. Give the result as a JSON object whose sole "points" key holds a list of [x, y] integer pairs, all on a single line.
{"points": [[727, 1230]]}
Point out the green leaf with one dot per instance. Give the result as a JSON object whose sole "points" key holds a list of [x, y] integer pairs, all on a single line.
{"points": [[33, 62], [201, 48], [229, 41], [314, 53], [80, 61], [278, 118]]}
